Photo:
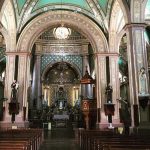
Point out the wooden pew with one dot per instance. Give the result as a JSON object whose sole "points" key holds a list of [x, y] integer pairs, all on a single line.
{"points": [[106, 140], [85, 137], [110, 143], [26, 139]]}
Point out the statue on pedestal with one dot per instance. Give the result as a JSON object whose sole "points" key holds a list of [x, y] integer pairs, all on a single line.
{"points": [[143, 87], [109, 106], [61, 98], [108, 93], [14, 91], [125, 113], [14, 105]]}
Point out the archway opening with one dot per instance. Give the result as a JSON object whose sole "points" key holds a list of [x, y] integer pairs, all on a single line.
{"points": [[2, 74], [57, 65]]}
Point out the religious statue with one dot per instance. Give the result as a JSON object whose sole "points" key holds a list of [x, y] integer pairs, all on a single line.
{"points": [[61, 95], [14, 105], [44, 102], [14, 90], [125, 114], [143, 87], [108, 93], [109, 106], [61, 98]]}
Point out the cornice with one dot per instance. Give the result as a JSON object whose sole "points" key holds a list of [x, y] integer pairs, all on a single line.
{"points": [[107, 54], [18, 53], [135, 25]]}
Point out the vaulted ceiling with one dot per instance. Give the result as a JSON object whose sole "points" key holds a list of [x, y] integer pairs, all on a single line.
{"points": [[147, 10], [98, 10]]}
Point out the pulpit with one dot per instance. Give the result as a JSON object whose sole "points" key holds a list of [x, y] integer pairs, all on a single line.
{"points": [[89, 112], [88, 104]]}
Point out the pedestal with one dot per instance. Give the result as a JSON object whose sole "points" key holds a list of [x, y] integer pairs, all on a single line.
{"points": [[143, 100], [13, 110], [109, 111]]}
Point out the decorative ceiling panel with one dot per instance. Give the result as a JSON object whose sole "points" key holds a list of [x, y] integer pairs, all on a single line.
{"points": [[47, 59], [20, 4], [79, 3], [103, 4], [97, 10]]}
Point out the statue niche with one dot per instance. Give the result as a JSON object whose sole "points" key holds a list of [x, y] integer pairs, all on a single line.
{"points": [[61, 98]]}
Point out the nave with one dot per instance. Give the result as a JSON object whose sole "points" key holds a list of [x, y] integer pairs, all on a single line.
{"points": [[59, 139]]}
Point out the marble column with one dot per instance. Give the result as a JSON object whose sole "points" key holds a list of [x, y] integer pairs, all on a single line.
{"points": [[24, 83], [9, 78], [36, 81], [137, 58], [85, 89], [100, 66], [114, 82]]}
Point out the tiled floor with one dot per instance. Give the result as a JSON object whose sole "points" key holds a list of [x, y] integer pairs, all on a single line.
{"points": [[59, 139]]}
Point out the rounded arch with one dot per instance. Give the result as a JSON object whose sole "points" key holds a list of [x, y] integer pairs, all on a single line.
{"points": [[52, 63], [125, 9], [71, 19], [7, 19], [4, 32], [118, 19]]}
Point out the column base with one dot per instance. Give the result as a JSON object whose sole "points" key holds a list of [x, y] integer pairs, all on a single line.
{"points": [[15, 125], [106, 125]]}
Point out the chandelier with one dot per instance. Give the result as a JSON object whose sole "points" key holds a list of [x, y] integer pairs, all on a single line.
{"points": [[62, 32]]}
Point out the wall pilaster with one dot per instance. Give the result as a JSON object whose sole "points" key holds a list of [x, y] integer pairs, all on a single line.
{"points": [[24, 83], [100, 64], [10, 71], [114, 82], [36, 82], [137, 59]]}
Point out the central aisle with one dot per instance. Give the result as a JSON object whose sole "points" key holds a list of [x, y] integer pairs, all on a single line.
{"points": [[59, 139]]}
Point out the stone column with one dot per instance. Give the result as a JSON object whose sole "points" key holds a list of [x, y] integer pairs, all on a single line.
{"points": [[137, 58], [100, 65], [9, 78], [36, 81], [24, 83], [86, 90], [114, 82]]}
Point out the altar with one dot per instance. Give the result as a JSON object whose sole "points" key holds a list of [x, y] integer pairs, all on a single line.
{"points": [[61, 120], [61, 117]]}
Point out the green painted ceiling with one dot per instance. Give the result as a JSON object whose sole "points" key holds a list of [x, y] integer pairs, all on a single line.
{"points": [[147, 10], [103, 4], [20, 4], [79, 3], [26, 10]]}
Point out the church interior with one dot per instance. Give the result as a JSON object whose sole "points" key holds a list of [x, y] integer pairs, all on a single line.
{"points": [[76, 69]]}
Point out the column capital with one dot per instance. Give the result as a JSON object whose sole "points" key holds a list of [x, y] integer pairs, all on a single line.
{"points": [[18, 53], [37, 53], [106, 54], [84, 55], [135, 25]]}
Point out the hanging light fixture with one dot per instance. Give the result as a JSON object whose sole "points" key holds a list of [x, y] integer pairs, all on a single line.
{"points": [[61, 32]]}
